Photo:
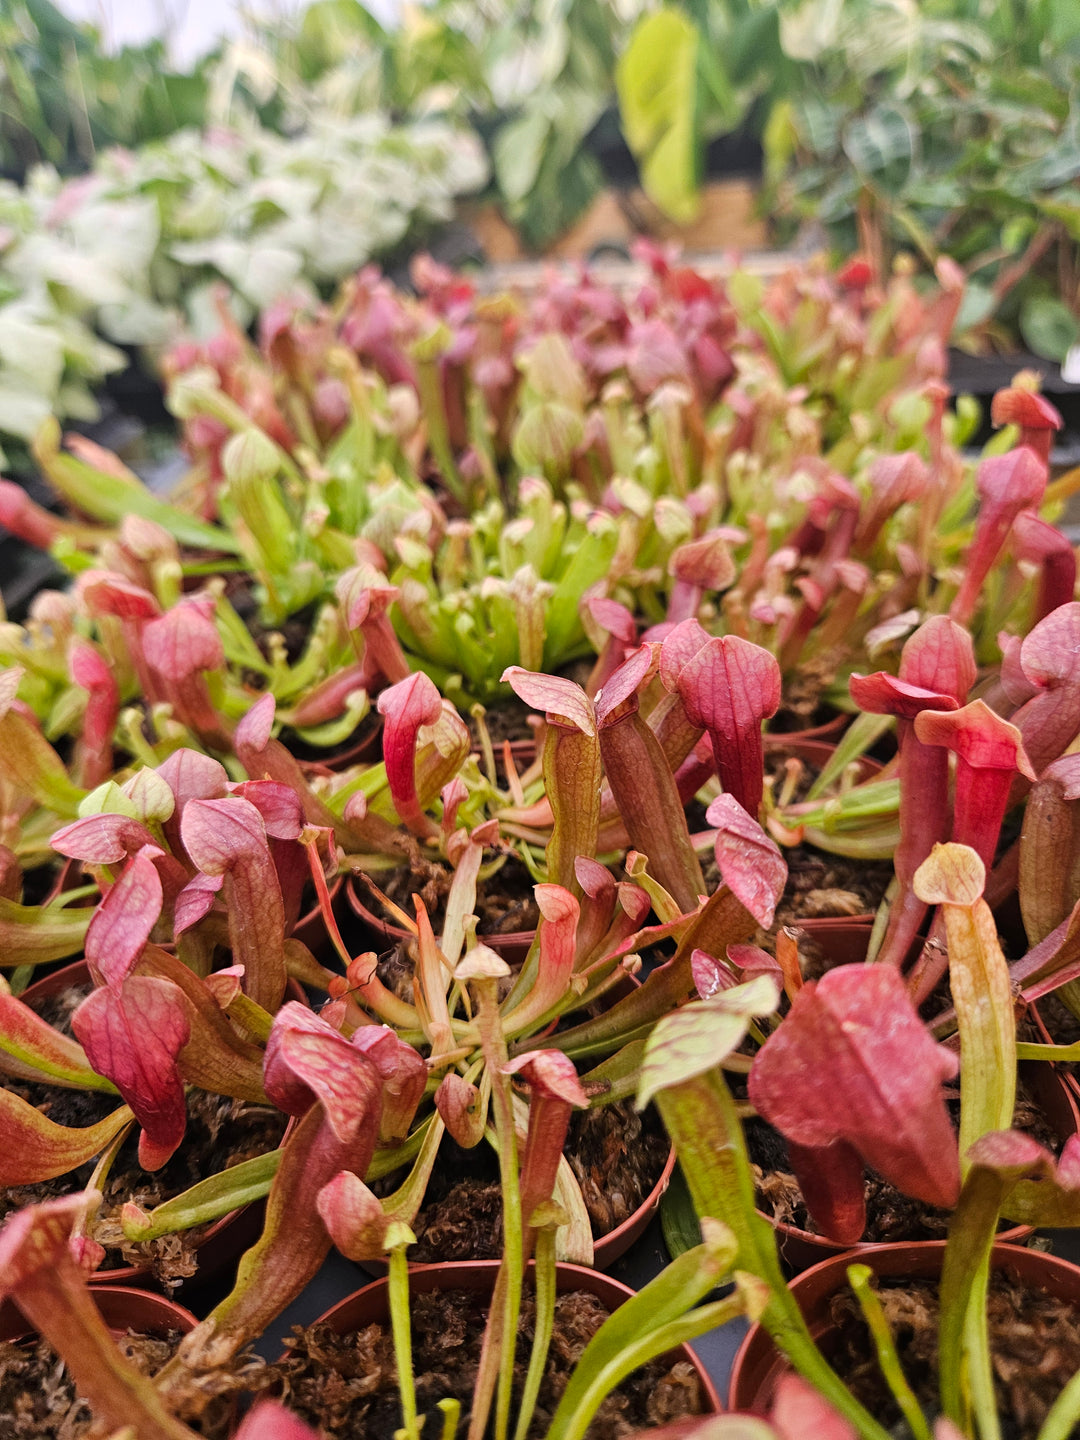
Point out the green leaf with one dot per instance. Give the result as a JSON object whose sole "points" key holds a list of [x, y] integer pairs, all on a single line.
{"points": [[517, 152], [696, 1038], [657, 82], [678, 1218], [1049, 327], [208, 1200], [670, 1295]]}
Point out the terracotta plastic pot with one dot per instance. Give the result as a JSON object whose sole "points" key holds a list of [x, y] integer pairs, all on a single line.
{"points": [[513, 947], [830, 731], [817, 753], [122, 1310], [615, 1243], [1068, 1071], [801, 1249], [311, 929], [759, 1365], [367, 747], [370, 1305], [224, 1239]]}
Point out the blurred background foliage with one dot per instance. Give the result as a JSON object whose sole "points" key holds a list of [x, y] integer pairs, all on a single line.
{"points": [[285, 158]]}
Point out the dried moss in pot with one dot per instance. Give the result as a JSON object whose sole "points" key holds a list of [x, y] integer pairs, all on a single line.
{"points": [[891, 1216], [347, 1384], [505, 903], [617, 1157], [220, 1133], [38, 1400], [1034, 1344]]}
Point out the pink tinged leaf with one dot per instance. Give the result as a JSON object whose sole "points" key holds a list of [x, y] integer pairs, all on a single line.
{"points": [[339, 1134], [883, 694], [696, 567], [459, 1107], [39, 1269], [451, 797], [561, 700], [989, 754], [305, 1054], [1015, 684], [631, 677], [124, 920], [613, 618], [191, 775], [831, 1178], [798, 1413], [365, 597], [285, 1088], [134, 1035], [406, 707], [195, 901], [1042, 544], [87, 1254], [257, 726], [430, 978], [404, 1075], [852, 1061], [711, 976], [228, 838], [90, 672], [354, 1217], [270, 1421], [557, 933], [750, 863], [555, 1091], [940, 656], [280, 808], [894, 481], [103, 592], [31, 1049], [28, 763], [751, 960], [36, 1149], [36, 1238], [184, 641], [680, 644], [31, 522], [1006, 484], [1037, 419], [1050, 660], [102, 839], [225, 985], [729, 687], [598, 895]]}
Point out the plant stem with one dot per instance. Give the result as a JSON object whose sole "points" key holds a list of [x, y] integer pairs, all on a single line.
{"points": [[451, 1415], [506, 1300], [545, 1323], [1064, 1413], [399, 1324], [701, 1118], [888, 1360], [640, 1352]]}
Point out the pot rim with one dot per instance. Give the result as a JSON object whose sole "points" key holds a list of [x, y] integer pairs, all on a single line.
{"points": [[112, 1302], [481, 1273], [813, 1286], [1014, 1235], [127, 1276]]}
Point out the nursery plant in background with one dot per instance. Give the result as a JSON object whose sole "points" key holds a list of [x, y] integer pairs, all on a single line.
{"points": [[894, 131]]}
